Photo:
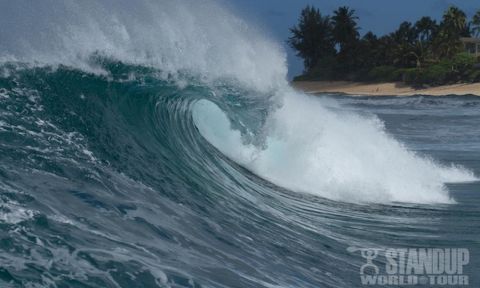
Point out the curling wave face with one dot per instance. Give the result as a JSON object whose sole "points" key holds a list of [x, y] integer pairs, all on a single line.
{"points": [[333, 154], [305, 146]]}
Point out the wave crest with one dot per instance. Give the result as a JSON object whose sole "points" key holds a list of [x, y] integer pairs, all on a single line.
{"points": [[334, 154]]}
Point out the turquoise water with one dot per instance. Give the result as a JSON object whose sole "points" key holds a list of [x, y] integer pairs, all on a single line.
{"points": [[107, 182]]}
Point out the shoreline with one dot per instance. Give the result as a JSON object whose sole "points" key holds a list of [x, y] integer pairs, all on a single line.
{"points": [[383, 89]]}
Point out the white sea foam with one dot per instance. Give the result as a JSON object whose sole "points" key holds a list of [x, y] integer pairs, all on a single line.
{"points": [[13, 213], [337, 155], [197, 36]]}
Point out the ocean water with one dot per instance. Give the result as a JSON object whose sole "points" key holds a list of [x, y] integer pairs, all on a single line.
{"points": [[159, 145]]}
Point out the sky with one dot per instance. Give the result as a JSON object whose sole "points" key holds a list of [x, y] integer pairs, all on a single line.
{"points": [[275, 17]]}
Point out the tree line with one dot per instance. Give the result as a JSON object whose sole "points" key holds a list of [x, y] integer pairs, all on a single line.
{"points": [[424, 52]]}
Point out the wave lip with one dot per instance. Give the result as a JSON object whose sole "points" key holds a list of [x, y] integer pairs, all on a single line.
{"points": [[199, 37]]}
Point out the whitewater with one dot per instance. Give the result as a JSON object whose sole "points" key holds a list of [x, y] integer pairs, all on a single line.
{"points": [[159, 144]]}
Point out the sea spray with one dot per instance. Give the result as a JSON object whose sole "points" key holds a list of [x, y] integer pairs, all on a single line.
{"points": [[177, 37], [335, 154]]}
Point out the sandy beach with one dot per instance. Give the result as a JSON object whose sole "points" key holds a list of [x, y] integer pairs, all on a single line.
{"points": [[384, 89]]}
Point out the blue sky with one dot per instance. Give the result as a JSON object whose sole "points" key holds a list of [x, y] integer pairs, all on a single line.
{"points": [[380, 16]]}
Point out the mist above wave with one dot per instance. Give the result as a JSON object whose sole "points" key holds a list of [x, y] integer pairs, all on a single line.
{"points": [[199, 37]]}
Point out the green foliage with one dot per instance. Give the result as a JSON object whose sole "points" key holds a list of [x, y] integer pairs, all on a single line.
{"points": [[455, 22], [324, 70], [384, 74], [434, 75], [453, 26], [459, 68], [312, 37], [475, 24], [345, 29], [463, 61], [474, 75], [423, 53], [345, 33], [426, 29]]}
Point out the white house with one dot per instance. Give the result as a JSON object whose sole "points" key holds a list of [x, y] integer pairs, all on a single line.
{"points": [[472, 45]]}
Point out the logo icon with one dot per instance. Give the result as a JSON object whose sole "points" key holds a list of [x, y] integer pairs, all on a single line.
{"points": [[369, 254]]}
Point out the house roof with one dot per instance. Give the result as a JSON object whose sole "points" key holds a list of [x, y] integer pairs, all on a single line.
{"points": [[470, 40]]}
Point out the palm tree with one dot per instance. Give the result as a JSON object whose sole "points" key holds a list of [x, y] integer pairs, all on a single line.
{"points": [[476, 23], [386, 44], [312, 38], [453, 26], [406, 33], [403, 51], [345, 28], [455, 20], [345, 31], [426, 28], [366, 54]]}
